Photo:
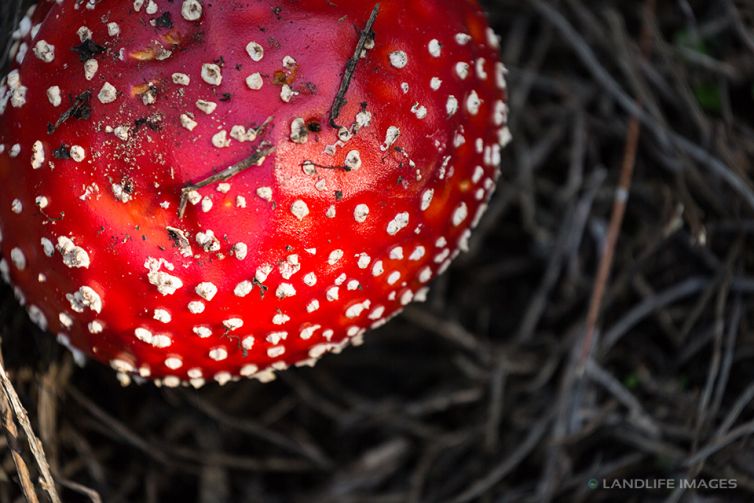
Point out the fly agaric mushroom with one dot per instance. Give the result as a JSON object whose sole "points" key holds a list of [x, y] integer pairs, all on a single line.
{"points": [[199, 190]]}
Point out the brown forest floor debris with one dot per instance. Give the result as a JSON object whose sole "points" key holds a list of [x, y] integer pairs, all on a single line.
{"points": [[484, 393]]}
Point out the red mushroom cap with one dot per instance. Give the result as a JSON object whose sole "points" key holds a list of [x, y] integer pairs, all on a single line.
{"points": [[323, 218]]}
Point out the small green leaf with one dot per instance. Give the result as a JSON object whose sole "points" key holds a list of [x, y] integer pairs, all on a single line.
{"points": [[708, 96], [631, 381], [690, 40]]}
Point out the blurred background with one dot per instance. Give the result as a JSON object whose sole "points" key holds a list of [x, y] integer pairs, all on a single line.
{"points": [[494, 390]]}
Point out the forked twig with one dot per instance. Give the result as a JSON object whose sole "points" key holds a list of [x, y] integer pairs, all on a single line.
{"points": [[262, 151], [345, 83]]}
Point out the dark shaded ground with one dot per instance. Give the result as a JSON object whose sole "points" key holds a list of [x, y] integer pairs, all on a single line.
{"points": [[475, 396]]}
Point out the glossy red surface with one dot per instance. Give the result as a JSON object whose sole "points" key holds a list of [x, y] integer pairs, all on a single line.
{"points": [[314, 255]]}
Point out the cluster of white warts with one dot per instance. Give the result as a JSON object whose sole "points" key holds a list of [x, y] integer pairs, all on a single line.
{"points": [[13, 92]]}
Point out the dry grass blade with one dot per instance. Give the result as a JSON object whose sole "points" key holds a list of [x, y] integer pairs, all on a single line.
{"points": [[11, 434], [11, 398]]}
